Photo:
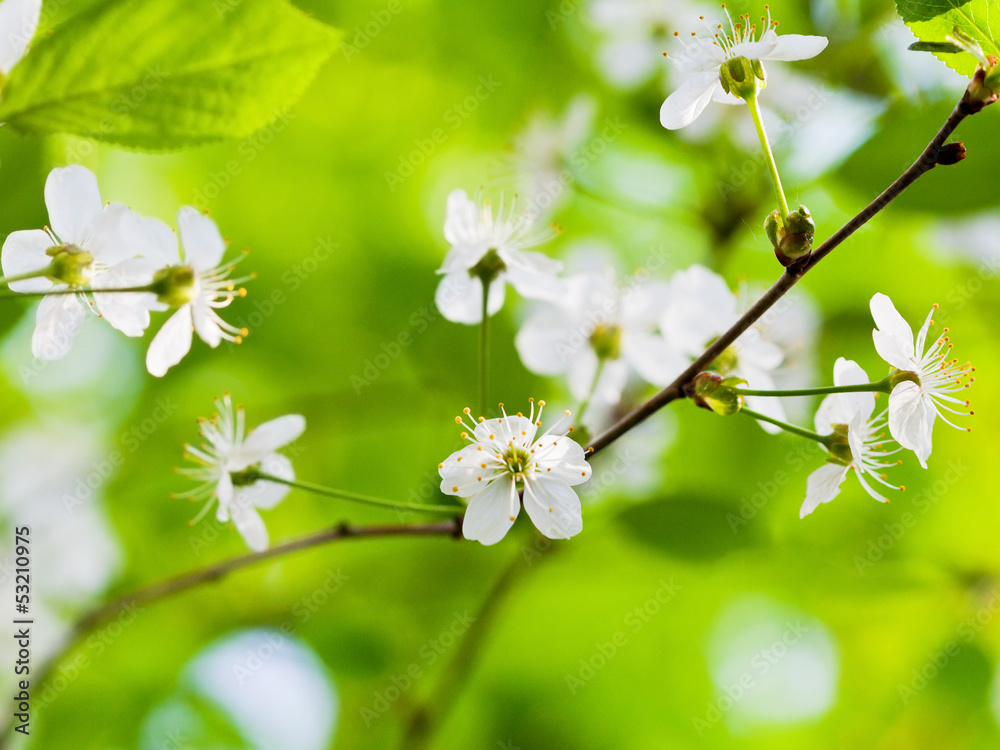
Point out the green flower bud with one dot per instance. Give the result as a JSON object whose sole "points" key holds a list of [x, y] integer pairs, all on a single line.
{"points": [[711, 391], [174, 285], [791, 237], [739, 76], [70, 265], [607, 341]]}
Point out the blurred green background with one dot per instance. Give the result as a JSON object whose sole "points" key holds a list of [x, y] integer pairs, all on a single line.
{"points": [[695, 610]]}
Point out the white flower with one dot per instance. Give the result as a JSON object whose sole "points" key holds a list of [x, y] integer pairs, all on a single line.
{"points": [[602, 324], [18, 23], [482, 242], [703, 58], [89, 245], [914, 406], [865, 440], [504, 457], [228, 454], [198, 285], [701, 308]]}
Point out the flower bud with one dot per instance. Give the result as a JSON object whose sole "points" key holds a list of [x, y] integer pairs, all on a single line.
{"points": [[174, 285], [791, 237], [951, 153], [70, 265], [711, 391], [984, 87]]}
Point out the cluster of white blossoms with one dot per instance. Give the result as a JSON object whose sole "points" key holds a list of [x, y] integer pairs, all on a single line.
{"points": [[603, 332], [230, 464], [110, 260], [923, 378]]}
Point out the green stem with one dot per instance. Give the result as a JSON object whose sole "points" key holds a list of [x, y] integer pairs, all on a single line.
{"points": [[800, 431], [879, 386], [484, 346], [354, 497], [25, 276], [75, 290], [768, 156]]}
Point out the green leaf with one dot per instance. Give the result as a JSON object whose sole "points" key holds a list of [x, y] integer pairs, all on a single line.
{"points": [[167, 74], [934, 21]]}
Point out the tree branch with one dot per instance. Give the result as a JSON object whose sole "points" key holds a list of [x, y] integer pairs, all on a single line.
{"points": [[924, 163]]}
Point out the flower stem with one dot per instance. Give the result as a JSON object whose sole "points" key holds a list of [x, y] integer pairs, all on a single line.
{"points": [[484, 346], [768, 155], [25, 276], [354, 497], [75, 290], [879, 386], [800, 431]]}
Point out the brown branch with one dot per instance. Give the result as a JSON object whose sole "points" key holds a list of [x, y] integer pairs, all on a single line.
{"points": [[172, 586], [926, 162]]}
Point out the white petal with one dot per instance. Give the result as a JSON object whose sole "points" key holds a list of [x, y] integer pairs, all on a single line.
{"points": [[460, 216], [249, 523], [683, 106], [203, 318], [701, 307], [152, 239], [849, 372], [554, 508], [459, 297], [909, 421], [24, 252], [832, 410], [791, 47], [109, 240], [125, 311], [564, 461], [200, 237], [822, 486], [275, 434], [18, 23], [653, 357], [544, 342], [491, 512], [468, 478], [532, 284], [539, 263], [171, 343], [74, 203], [893, 336], [225, 492], [57, 321]]}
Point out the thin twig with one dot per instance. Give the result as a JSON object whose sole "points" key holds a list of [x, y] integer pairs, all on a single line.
{"points": [[172, 586], [926, 162]]}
